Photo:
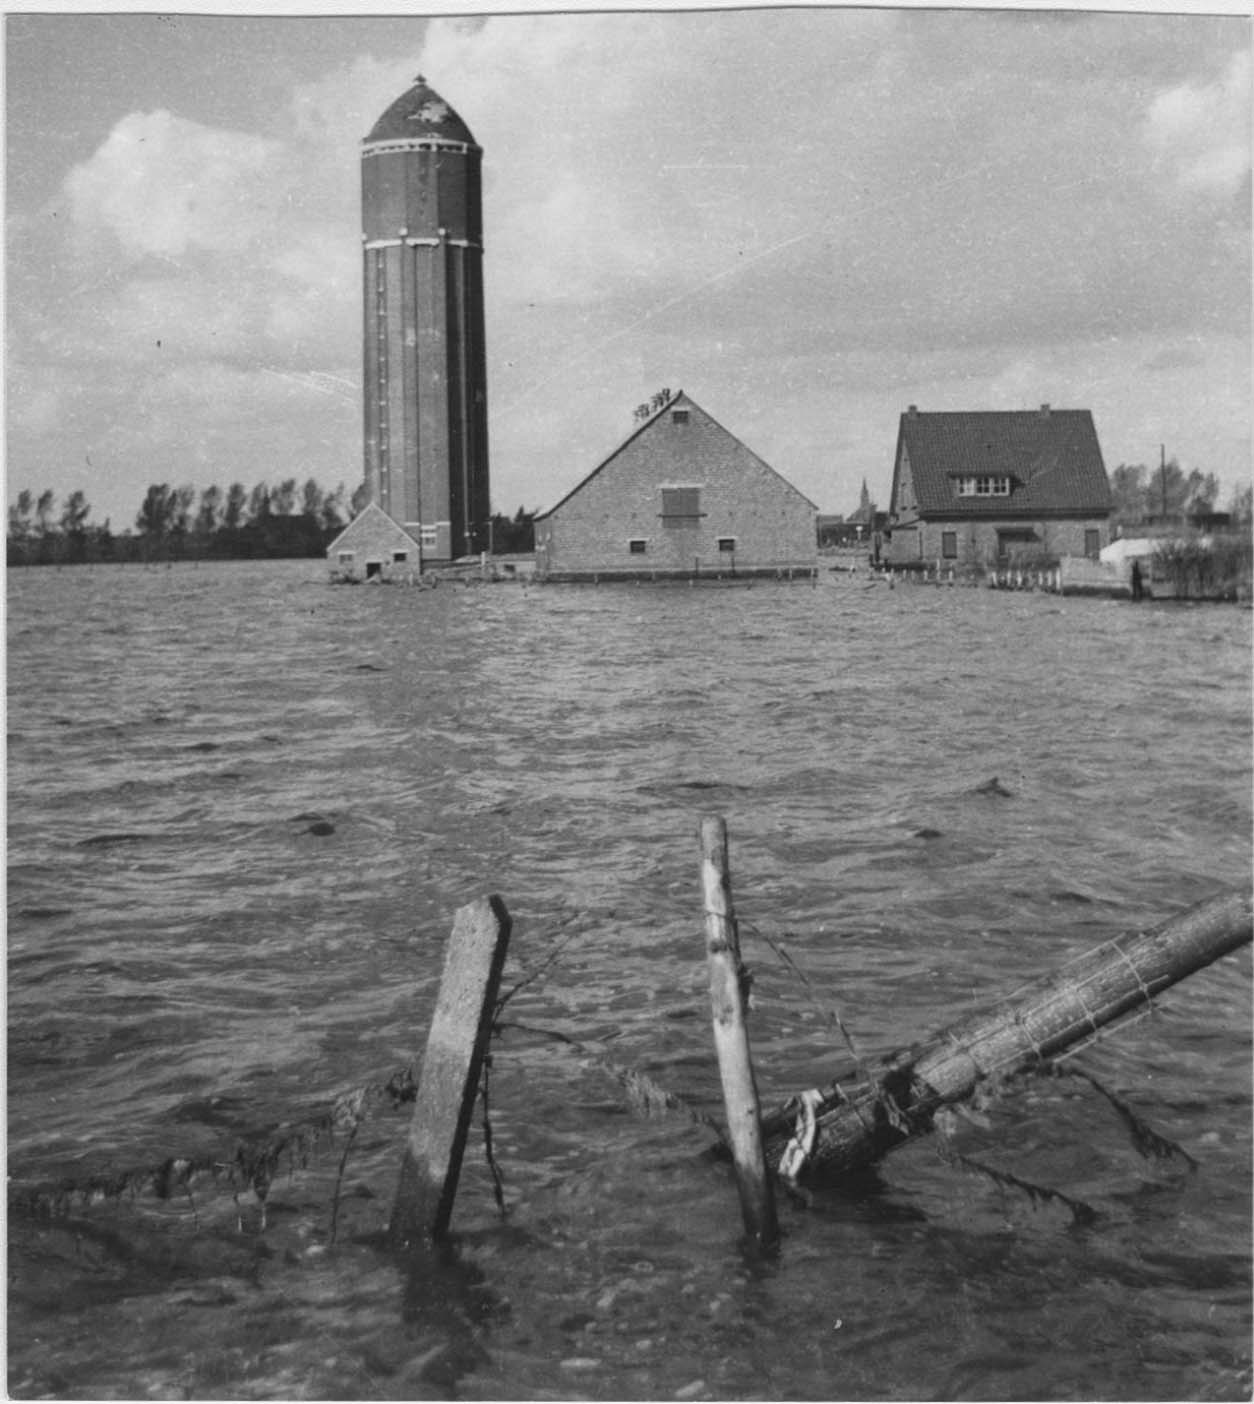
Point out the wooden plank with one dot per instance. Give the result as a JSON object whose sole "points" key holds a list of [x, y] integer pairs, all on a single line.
{"points": [[731, 1039], [449, 1083], [1040, 1021]]}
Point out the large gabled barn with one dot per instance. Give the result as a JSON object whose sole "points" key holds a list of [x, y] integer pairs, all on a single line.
{"points": [[680, 497], [989, 487]]}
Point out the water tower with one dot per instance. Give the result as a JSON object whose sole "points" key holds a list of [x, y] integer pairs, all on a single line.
{"points": [[425, 372]]}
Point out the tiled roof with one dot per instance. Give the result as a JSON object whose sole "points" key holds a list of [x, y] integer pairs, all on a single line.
{"points": [[421, 112], [1051, 456]]}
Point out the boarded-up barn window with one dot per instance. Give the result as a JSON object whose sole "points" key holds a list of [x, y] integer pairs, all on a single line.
{"points": [[681, 506]]}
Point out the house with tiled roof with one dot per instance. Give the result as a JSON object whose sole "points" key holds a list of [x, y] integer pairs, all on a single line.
{"points": [[992, 487], [680, 497]]}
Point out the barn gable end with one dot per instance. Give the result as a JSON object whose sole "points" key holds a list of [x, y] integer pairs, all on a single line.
{"points": [[681, 496]]}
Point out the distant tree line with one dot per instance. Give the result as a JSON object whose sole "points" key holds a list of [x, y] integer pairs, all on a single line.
{"points": [[517, 533], [181, 524], [1167, 493]]}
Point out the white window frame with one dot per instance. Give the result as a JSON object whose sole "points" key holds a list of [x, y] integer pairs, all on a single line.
{"points": [[984, 485]]}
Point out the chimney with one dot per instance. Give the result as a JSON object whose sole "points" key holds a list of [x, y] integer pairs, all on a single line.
{"points": [[1044, 411], [912, 412]]}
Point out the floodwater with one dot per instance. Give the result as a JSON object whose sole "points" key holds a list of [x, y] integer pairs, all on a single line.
{"points": [[244, 807]]}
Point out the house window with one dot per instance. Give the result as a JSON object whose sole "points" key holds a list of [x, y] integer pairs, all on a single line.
{"points": [[679, 416], [1092, 543], [727, 543], [985, 486], [399, 556], [638, 546], [347, 557], [681, 506], [949, 545]]}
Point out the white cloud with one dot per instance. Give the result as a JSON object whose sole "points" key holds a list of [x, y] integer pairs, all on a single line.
{"points": [[1202, 131], [165, 186]]}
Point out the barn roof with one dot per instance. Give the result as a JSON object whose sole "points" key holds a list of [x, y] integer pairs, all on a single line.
{"points": [[680, 400], [1051, 456], [420, 112]]}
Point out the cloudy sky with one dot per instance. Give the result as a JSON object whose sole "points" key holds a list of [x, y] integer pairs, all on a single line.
{"points": [[808, 219]]}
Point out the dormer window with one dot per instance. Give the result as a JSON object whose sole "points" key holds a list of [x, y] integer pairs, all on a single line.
{"points": [[984, 486]]}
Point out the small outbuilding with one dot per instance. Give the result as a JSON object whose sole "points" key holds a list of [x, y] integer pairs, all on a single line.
{"points": [[681, 497], [373, 547], [983, 488]]}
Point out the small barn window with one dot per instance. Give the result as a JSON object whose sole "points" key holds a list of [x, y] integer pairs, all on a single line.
{"points": [[637, 545], [679, 416], [427, 536], [681, 506], [727, 543], [399, 556], [949, 545], [347, 557]]}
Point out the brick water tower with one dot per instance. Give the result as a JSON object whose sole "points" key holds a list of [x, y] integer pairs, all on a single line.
{"points": [[425, 380]]}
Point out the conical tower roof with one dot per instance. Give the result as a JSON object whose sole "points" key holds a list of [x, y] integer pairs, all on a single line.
{"points": [[420, 112]]}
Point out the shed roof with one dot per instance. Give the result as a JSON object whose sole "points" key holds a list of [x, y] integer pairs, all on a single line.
{"points": [[1051, 456], [372, 527]]}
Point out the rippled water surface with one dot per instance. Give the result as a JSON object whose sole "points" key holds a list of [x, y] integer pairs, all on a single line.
{"points": [[243, 807]]}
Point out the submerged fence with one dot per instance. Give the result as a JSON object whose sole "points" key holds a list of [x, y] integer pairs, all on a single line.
{"points": [[820, 1132]]}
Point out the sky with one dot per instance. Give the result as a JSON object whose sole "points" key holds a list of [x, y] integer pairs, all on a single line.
{"points": [[808, 219]]}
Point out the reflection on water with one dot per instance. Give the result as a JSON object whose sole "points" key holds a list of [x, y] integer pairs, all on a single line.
{"points": [[244, 806]]}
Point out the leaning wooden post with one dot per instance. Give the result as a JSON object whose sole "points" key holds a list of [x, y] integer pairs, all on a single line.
{"points": [[449, 1083], [1035, 1024], [731, 1040]]}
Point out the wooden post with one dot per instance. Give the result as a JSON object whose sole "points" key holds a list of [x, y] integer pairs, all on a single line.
{"points": [[1040, 1021], [731, 1040], [449, 1083]]}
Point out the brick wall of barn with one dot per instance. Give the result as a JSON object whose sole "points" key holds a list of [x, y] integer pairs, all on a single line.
{"points": [[748, 518]]}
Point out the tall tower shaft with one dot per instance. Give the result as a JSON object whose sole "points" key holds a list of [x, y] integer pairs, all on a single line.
{"points": [[425, 364]]}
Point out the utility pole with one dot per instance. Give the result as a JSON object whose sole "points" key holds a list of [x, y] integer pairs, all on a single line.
{"points": [[1162, 474]]}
